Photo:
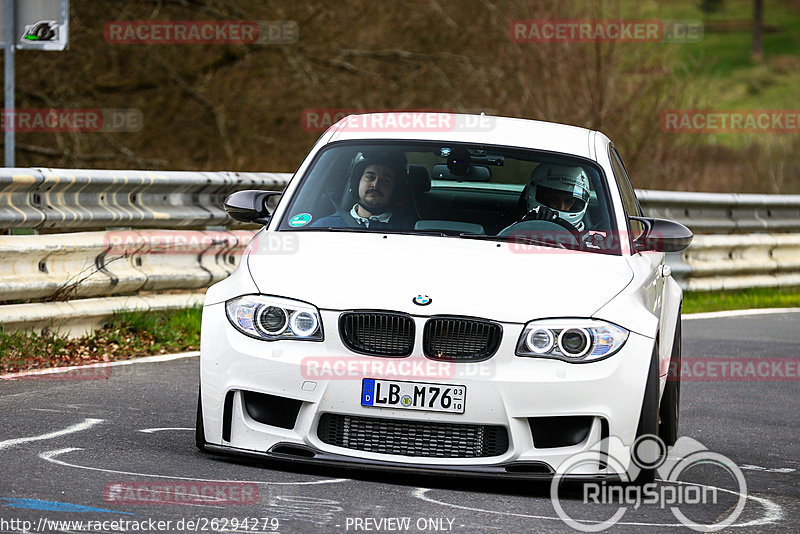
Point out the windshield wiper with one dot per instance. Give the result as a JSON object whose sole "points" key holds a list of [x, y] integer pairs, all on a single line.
{"points": [[520, 239], [364, 229]]}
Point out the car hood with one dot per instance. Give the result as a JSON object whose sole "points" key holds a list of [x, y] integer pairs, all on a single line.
{"points": [[494, 280]]}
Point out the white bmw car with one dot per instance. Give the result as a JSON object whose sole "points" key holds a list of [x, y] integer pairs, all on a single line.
{"points": [[450, 293]]}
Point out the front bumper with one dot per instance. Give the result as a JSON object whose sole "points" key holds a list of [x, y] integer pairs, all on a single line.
{"points": [[505, 390], [295, 454]]}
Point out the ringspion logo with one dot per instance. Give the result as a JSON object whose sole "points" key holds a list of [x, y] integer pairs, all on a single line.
{"points": [[677, 491]]}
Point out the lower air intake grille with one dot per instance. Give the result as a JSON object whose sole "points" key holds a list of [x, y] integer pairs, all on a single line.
{"points": [[412, 438], [461, 339], [377, 333]]}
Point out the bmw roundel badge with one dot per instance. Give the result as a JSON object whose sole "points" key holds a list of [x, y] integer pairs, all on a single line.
{"points": [[422, 300]]}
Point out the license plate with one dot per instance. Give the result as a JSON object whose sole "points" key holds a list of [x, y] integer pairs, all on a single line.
{"points": [[413, 395]]}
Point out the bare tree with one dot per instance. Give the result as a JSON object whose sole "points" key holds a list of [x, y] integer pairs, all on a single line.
{"points": [[757, 52]]}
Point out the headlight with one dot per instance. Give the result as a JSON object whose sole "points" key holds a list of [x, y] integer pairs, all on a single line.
{"points": [[572, 340], [272, 318]]}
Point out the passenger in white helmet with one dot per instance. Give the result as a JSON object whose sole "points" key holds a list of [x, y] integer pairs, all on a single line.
{"points": [[558, 192]]}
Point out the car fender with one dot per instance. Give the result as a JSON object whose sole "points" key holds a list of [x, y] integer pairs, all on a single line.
{"points": [[670, 315], [638, 306], [240, 282]]}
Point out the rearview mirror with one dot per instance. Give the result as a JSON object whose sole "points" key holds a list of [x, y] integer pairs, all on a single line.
{"points": [[251, 206], [662, 235], [473, 173]]}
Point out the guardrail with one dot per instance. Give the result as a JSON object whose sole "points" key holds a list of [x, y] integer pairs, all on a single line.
{"points": [[74, 199], [92, 264], [724, 213], [723, 262], [75, 318], [80, 278], [63, 272], [740, 240]]}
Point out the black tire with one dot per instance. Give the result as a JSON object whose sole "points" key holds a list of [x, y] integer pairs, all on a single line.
{"points": [[648, 417], [669, 413], [199, 429]]}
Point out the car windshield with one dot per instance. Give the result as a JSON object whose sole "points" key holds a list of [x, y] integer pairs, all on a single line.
{"points": [[456, 190]]}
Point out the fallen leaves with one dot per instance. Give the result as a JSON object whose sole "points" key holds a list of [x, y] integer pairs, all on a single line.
{"points": [[121, 339]]}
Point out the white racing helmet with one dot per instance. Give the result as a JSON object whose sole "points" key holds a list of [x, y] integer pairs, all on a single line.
{"points": [[562, 189]]}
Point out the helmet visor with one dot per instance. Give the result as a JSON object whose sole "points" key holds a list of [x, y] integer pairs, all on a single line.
{"points": [[570, 201]]}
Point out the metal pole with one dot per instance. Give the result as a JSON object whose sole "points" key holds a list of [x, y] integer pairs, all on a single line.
{"points": [[11, 42]]}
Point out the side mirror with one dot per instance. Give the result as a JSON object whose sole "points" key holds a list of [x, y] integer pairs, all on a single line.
{"points": [[250, 206], [661, 235]]}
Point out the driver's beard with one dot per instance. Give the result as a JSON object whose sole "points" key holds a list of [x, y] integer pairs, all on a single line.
{"points": [[374, 211]]}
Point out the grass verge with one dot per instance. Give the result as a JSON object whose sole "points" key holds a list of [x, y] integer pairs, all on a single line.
{"points": [[708, 301], [126, 335]]}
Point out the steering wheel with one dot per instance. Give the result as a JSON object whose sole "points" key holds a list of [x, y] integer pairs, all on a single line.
{"points": [[559, 221]]}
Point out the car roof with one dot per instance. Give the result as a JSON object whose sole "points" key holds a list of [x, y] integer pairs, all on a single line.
{"points": [[454, 127]]}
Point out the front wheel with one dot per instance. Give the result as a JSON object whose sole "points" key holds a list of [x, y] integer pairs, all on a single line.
{"points": [[199, 429], [648, 425], [669, 413]]}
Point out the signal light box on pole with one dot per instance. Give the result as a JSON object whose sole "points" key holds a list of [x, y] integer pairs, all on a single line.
{"points": [[28, 25]]}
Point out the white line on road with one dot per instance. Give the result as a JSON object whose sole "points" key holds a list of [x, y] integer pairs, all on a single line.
{"points": [[50, 457], [737, 313], [767, 469], [57, 370], [773, 512], [87, 423], [151, 430]]}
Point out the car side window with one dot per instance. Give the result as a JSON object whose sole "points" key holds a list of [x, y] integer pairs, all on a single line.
{"points": [[626, 191]]}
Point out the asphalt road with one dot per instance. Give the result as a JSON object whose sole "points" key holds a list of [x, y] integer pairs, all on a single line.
{"points": [[68, 446]]}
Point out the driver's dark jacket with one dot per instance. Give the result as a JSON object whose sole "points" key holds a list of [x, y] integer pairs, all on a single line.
{"points": [[397, 222]]}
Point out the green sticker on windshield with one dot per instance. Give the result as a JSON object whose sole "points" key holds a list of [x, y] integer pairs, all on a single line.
{"points": [[300, 219]]}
